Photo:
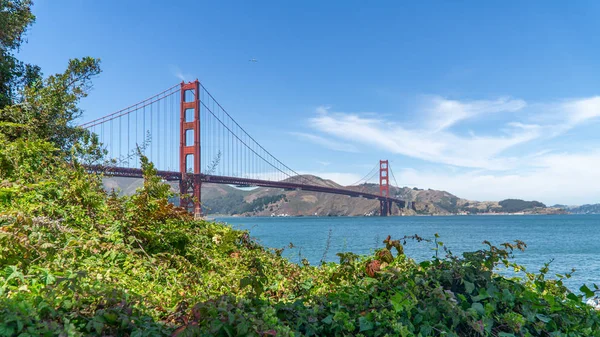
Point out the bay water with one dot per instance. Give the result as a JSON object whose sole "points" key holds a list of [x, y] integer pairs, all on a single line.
{"points": [[569, 241]]}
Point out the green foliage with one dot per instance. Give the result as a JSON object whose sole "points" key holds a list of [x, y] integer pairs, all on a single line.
{"points": [[15, 18], [235, 204], [50, 106], [230, 204], [260, 203]]}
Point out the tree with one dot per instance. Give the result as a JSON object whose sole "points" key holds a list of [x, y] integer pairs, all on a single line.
{"points": [[15, 18], [48, 107], [38, 108]]}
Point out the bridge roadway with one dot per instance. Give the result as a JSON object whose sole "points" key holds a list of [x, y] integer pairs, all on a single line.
{"points": [[176, 176]]}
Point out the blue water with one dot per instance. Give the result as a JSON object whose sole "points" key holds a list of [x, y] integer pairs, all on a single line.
{"points": [[573, 241]]}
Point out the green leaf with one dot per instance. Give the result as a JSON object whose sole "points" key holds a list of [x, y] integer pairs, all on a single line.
{"points": [[365, 324], [242, 328], [478, 307], [543, 318], [506, 334], [110, 317], [244, 282], [6, 330], [98, 326], [12, 272], [482, 295], [137, 333], [469, 287], [586, 291], [398, 302], [328, 319]]}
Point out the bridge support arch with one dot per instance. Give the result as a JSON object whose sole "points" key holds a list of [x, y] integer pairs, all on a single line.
{"points": [[189, 148]]}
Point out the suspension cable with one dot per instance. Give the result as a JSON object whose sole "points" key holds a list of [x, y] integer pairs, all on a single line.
{"points": [[363, 178], [392, 172]]}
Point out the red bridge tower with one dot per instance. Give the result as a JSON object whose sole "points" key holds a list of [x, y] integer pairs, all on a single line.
{"points": [[189, 148], [385, 205]]}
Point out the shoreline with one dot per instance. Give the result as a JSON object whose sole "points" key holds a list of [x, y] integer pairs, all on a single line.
{"points": [[213, 216]]}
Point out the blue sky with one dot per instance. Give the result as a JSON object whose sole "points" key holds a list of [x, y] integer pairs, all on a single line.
{"points": [[488, 100]]}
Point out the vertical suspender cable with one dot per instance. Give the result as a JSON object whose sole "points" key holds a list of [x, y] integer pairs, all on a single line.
{"points": [[158, 131], [152, 134], [111, 139], [144, 136], [119, 142], [128, 146], [136, 129]]}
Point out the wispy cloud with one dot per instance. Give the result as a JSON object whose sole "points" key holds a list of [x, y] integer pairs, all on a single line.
{"points": [[582, 110], [443, 113], [558, 178], [177, 72], [328, 143], [436, 146], [504, 147], [434, 140]]}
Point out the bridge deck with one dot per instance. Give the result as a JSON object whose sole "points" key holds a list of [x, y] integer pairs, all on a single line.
{"points": [[174, 176]]}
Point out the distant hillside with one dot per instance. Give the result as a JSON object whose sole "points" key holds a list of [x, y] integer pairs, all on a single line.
{"points": [[518, 205], [219, 199], [262, 201], [583, 209]]}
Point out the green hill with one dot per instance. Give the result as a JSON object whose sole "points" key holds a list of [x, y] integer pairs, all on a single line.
{"points": [[518, 205]]}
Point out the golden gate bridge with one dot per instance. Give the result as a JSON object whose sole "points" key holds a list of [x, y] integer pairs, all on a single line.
{"points": [[192, 139]]}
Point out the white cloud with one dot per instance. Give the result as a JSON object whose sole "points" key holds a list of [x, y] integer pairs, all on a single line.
{"points": [[582, 110], [488, 171], [559, 178], [433, 140], [436, 146], [443, 113], [328, 143]]}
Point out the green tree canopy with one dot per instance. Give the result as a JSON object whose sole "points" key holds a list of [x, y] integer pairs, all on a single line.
{"points": [[38, 108], [15, 18]]}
